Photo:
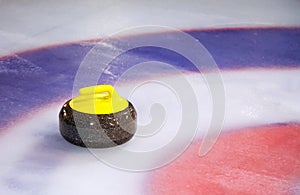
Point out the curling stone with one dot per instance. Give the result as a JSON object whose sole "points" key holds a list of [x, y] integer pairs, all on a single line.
{"points": [[97, 118]]}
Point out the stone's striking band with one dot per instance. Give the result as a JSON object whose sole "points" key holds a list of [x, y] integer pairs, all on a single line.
{"points": [[97, 130]]}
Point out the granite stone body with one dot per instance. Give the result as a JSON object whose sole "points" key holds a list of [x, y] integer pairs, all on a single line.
{"points": [[97, 130]]}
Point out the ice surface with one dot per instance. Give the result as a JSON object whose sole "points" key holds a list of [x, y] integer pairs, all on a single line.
{"points": [[31, 24], [42, 162], [35, 159]]}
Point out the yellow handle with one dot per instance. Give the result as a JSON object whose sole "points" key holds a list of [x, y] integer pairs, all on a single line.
{"points": [[99, 99], [98, 89]]}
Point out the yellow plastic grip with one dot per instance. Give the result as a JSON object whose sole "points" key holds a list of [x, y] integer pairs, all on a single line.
{"points": [[98, 99]]}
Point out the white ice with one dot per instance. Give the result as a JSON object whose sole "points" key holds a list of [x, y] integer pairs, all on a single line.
{"points": [[30, 24]]}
